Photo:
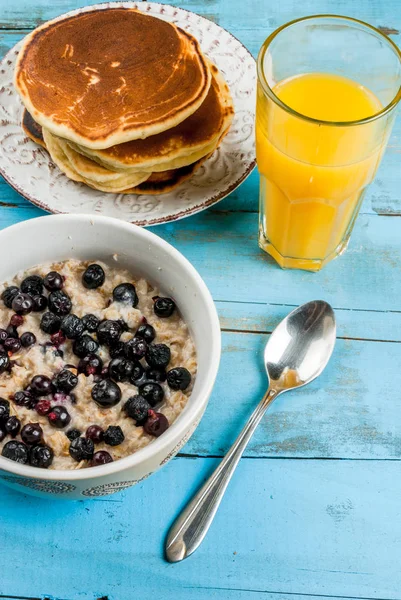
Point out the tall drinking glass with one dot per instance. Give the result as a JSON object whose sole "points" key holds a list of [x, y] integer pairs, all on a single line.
{"points": [[328, 87]]}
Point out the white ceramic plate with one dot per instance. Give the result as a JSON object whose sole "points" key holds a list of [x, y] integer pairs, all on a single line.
{"points": [[29, 169]]}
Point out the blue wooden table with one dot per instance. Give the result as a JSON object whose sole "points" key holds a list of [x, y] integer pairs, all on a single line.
{"points": [[314, 510]]}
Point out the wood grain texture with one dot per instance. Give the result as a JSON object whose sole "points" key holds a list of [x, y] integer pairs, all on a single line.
{"points": [[326, 528]]}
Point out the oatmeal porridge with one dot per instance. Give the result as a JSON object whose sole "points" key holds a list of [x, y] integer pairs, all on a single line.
{"points": [[94, 365]]}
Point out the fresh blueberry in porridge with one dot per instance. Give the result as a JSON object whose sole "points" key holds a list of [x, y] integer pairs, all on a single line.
{"points": [[95, 433], [28, 339], [39, 303], [72, 326], [22, 304], [85, 345], [53, 281], [50, 323], [88, 354], [126, 293], [101, 458], [137, 408], [31, 433], [32, 285], [59, 303], [93, 277], [16, 451], [164, 307], [147, 332], [59, 417], [81, 449], [109, 332], [41, 456], [135, 348], [106, 393], [113, 436], [91, 364], [91, 322]]}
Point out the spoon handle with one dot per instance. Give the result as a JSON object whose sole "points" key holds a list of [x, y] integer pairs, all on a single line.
{"points": [[191, 526]]}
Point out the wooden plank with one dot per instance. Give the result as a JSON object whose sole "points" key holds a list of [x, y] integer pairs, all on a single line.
{"points": [[324, 528], [351, 411]]}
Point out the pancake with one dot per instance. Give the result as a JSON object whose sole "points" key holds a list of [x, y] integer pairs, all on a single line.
{"points": [[82, 169], [107, 76], [182, 145], [32, 129]]}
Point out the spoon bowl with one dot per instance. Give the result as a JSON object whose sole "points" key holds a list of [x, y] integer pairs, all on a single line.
{"points": [[299, 348]]}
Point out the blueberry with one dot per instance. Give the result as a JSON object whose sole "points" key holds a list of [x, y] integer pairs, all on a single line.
{"points": [[120, 369], [113, 436], [91, 364], [91, 322], [59, 303], [94, 433], [93, 277], [3, 335], [4, 409], [59, 417], [117, 350], [123, 324], [156, 423], [43, 407], [53, 281], [65, 381], [12, 426], [16, 451], [50, 323], [32, 285], [41, 385], [147, 332], [81, 449], [164, 307], [72, 326], [31, 433], [39, 303], [158, 375], [101, 458], [4, 363], [22, 304], [3, 434], [135, 349], [179, 378], [109, 332], [137, 408], [41, 456], [106, 393], [126, 293], [12, 345], [137, 373], [85, 345], [57, 339], [72, 434], [158, 355], [28, 339], [9, 294], [25, 398], [12, 331], [152, 392]]}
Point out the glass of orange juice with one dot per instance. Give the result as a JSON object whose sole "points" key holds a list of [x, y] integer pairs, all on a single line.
{"points": [[328, 87]]}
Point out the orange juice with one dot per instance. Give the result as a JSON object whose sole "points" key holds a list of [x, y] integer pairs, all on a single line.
{"points": [[314, 171]]}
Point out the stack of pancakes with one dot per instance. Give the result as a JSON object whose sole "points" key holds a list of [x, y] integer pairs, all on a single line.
{"points": [[122, 101]]}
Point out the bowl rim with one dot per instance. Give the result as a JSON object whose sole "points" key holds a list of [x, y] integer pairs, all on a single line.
{"points": [[190, 413]]}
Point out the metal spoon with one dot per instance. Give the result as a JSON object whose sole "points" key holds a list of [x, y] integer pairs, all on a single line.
{"points": [[296, 353]]}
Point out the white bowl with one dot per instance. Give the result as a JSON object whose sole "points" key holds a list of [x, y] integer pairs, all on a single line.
{"points": [[87, 237]]}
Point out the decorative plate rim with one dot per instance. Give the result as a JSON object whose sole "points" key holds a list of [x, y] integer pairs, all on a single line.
{"points": [[175, 216]]}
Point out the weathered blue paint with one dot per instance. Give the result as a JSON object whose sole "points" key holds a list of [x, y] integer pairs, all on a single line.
{"points": [[314, 509]]}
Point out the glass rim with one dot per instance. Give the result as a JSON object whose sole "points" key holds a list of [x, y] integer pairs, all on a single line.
{"points": [[269, 91]]}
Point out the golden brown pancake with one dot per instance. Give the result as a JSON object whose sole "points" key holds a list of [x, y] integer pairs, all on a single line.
{"points": [[176, 146], [107, 76]]}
